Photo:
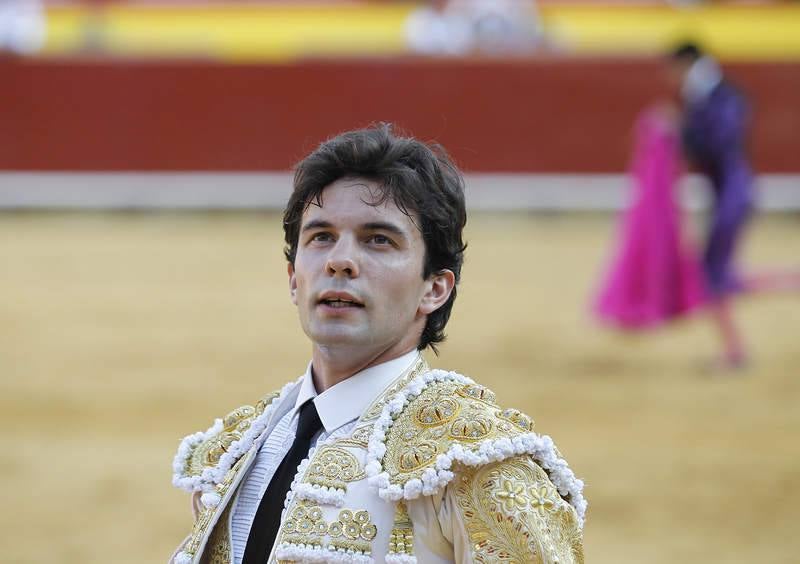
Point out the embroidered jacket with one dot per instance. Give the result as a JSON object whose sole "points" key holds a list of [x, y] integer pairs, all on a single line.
{"points": [[433, 472]]}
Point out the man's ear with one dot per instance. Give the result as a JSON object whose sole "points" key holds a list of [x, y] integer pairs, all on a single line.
{"points": [[439, 288], [292, 283]]}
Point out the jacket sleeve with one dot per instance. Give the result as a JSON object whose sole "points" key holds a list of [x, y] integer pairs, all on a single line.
{"points": [[510, 511]]}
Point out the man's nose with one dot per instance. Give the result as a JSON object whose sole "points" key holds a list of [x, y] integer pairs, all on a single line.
{"points": [[342, 259]]}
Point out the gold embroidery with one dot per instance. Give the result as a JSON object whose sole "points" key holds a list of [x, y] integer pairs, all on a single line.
{"points": [[417, 455], [543, 499], [234, 424], [218, 548], [471, 429], [209, 452], [238, 419], [401, 540], [304, 526], [199, 529], [374, 410], [206, 515], [513, 514], [476, 391], [436, 411], [444, 414], [265, 401], [517, 418], [333, 466], [353, 531], [361, 435], [511, 495]]}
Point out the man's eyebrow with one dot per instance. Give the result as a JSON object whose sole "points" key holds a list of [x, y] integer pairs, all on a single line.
{"points": [[383, 226], [317, 224]]}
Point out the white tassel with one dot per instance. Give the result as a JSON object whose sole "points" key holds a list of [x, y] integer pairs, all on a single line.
{"points": [[210, 499], [183, 558]]}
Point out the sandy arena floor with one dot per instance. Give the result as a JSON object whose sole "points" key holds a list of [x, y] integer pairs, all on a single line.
{"points": [[119, 334]]}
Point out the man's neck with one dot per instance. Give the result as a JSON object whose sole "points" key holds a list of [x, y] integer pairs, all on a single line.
{"points": [[332, 365]]}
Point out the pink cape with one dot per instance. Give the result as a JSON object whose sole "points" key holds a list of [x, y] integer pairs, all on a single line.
{"points": [[655, 276]]}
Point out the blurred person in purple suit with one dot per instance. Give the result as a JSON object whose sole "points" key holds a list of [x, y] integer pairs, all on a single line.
{"points": [[715, 123]]}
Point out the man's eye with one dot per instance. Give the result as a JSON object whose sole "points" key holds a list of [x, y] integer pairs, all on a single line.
{"points": [[381, 240], [321, 237]]}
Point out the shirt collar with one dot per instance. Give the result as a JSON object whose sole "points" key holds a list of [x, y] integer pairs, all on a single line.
{"points": [[347, 400]]}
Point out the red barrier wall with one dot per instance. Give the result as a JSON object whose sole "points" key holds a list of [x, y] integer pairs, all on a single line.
{"points": [[527, 116]]}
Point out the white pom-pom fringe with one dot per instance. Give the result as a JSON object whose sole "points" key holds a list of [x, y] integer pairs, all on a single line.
{"points": [[308, 553], [320, 494], [401, 559]]}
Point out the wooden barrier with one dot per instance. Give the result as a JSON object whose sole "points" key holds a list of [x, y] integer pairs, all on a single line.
{"points": [[542, 115]]}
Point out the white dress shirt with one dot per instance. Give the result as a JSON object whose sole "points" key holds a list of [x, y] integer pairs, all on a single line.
{"points": [[339, 407]]}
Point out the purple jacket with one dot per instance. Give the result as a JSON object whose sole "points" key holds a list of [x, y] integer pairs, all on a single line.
{"points": [[714, 136]]}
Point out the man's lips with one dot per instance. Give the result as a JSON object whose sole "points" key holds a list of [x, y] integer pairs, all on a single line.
{"points": [[339, 300]]}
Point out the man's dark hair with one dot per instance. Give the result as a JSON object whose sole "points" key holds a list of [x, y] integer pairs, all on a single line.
{"points": [[421, 180], [687, 52]]}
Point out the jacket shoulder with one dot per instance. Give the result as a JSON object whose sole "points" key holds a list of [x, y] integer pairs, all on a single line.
{"points": [[200, 454], [443, 422]]}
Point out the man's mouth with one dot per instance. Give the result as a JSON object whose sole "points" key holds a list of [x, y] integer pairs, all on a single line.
{"points": [[339, 299], [338, 302]]}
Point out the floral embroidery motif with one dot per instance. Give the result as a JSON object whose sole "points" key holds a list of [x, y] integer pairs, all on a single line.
{"points": [[511, 495], [543, 498], [510, 521]]}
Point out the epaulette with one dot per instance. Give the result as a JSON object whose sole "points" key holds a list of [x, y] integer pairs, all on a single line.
{"points": [[441, 420], [204, 459]]}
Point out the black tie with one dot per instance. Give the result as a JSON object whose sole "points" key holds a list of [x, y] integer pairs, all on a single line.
{"points": [[268, 517]]}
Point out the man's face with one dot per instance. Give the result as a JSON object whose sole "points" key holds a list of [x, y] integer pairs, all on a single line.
{"points": [[357, 276]]}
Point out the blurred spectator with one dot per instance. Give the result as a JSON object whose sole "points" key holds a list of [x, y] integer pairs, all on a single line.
{"points": [[459, 27], [22, 26]]}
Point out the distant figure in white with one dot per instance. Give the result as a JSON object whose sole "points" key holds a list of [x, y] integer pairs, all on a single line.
{"points": [[22, 26], [462, 27]]}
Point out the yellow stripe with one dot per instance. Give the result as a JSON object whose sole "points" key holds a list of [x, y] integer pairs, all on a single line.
{"points": [[285, 32], [731, 32]]}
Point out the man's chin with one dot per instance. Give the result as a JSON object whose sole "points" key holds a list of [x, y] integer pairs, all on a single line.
{"points": [[340, 337]]}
